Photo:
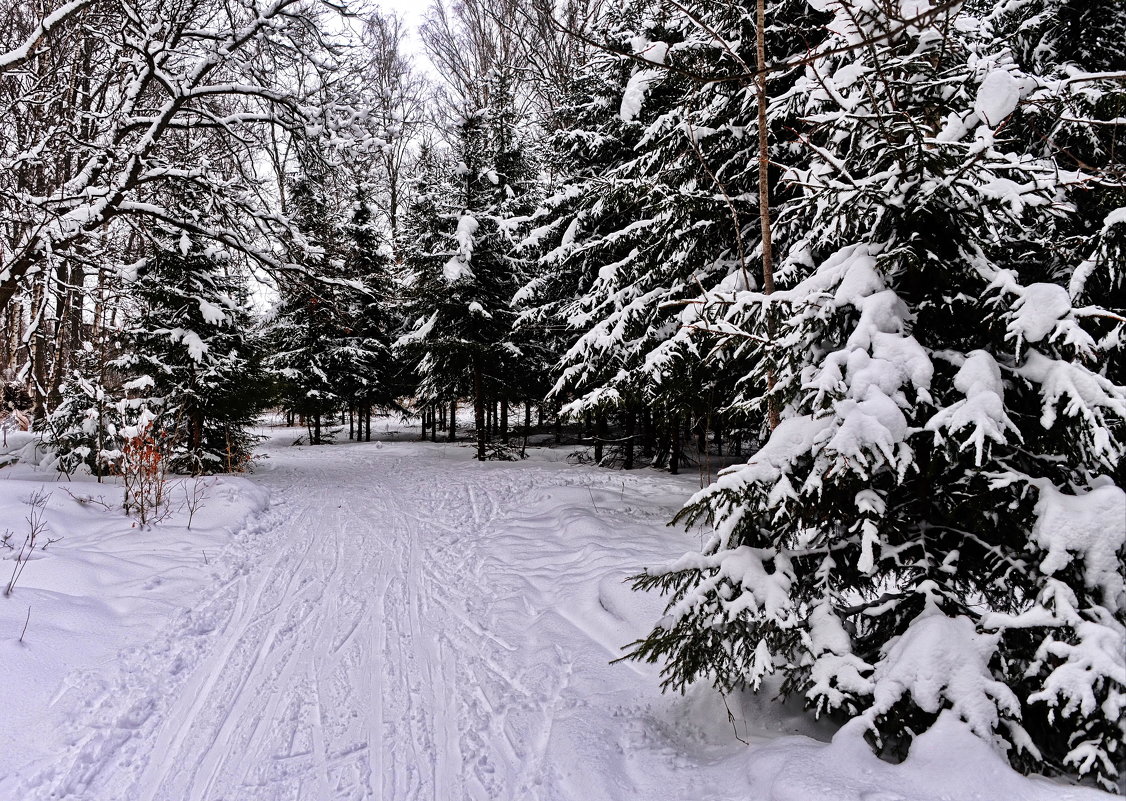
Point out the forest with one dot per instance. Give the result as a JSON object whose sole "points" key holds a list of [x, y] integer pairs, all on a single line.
{"points": [[861, 264]]}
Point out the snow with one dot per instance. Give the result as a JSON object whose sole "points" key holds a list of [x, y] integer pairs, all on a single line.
{"points": [[1037, 310], [1085, 392], [943, 662], [102, 589], [982, 410], [192, 341], [458, 267], [633, 97], [946, 763], [398, 621], [997, 97], [793, 437], [1092, 526], [212, 314]]}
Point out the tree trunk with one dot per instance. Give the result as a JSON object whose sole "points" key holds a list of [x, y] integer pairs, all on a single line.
{"points": [[674, 444], [479, 410], [527, 427], [648, 433], [452, 433], [599, 435], [631, 423], [772, 412], [504, 420]]}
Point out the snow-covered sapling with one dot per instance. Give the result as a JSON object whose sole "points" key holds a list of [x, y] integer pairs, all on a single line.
{"points": [[36, 528]]}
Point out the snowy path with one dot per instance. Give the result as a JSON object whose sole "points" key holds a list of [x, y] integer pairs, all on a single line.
{"points": [[404, 631]]}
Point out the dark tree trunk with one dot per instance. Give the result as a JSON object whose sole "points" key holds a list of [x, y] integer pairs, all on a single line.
{"points": [[631, 424], [648, 433], [527, 426], [479, 410], [674, 444], [661, 455], [599, 435], [504, 420], [195, 430], [452, 433]]}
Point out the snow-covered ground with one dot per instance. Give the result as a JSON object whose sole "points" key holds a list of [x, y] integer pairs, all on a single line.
{"points": [[392, 620]]}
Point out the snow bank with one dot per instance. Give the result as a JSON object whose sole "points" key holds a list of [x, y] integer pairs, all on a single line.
{"points": [[104, 586], [946, 763]]}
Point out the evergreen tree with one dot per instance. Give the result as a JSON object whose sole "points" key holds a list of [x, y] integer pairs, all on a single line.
{"points": [[936, 524], [189, 351], [371, 374], [659, 205], [325, 351], [83, 429], [461, 271]]}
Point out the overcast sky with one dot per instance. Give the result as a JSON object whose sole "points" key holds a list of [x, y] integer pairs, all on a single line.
{"points": [[412, 12]]}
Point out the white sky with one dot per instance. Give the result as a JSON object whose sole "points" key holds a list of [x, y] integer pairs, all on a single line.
{"points": [[412, 12]]}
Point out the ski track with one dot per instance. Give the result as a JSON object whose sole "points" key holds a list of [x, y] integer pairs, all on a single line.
{"points": [[357, 656]]}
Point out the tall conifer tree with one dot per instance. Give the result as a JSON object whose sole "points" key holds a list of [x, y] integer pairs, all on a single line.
{"points": [[936, 524]]}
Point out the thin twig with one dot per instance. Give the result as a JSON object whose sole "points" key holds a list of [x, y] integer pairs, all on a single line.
{"points": [[731, 717]]}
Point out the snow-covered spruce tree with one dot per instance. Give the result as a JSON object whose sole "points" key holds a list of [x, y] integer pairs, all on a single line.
{"points": [[516, 163], [423, 247], [659, 204], [461, 277], [370, 380], [1074, 46], [314, 343], [937, 524], [82, 430], [189, 349]]}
